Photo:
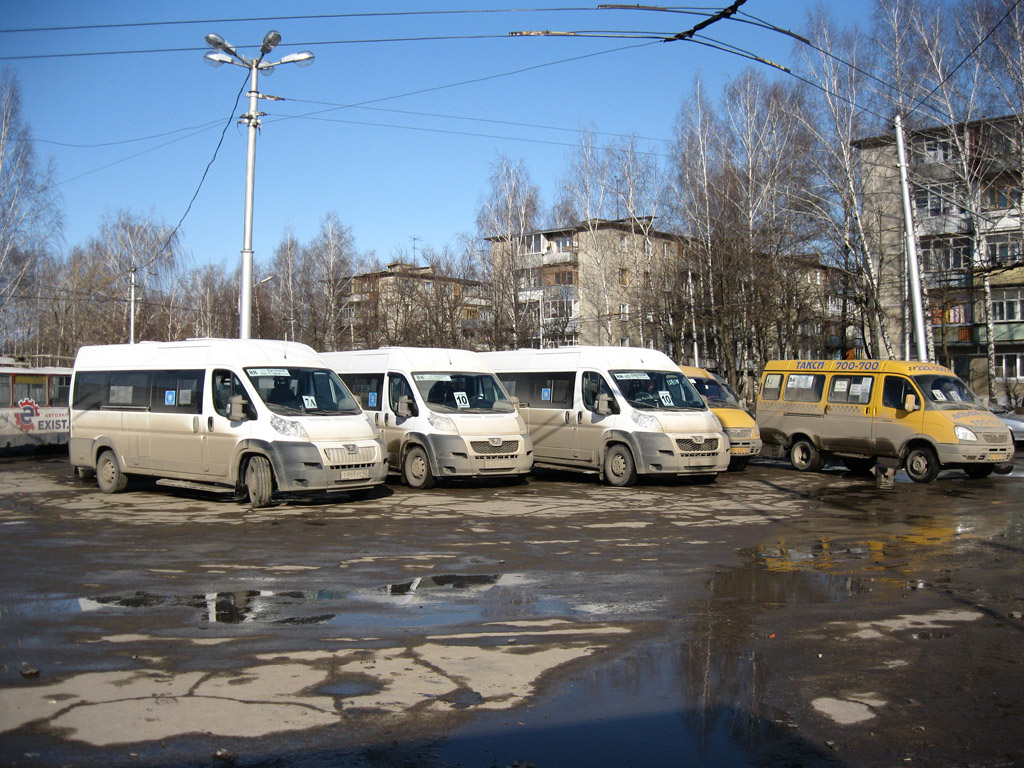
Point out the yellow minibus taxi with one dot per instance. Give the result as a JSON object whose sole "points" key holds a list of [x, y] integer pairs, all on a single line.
{"points": [[738, 424], [856, 411]]}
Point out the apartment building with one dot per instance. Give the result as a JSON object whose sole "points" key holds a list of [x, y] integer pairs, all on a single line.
{"points": [[966, 200]]}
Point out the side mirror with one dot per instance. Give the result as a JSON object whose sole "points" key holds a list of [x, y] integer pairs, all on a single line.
{"points": [[910, 404], [236, 408], [515, 402], [406, 407], [603, 405]]}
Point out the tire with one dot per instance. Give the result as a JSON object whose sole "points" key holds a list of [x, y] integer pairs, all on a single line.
{"points": [[738, 463], [416, 469], [979, 471], [922, 464], [619, 467], [805, 457], [259, 480], [858, 466], [109, 476]]}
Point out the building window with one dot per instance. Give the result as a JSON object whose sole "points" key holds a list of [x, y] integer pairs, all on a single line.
{"points": [[1007, 305], [1002, 194], [624, 277], [1002, 249], [623, 244], [624, 312], [936, 200], [1009, 367], [565, 277], [936, 150], [946, 254]]}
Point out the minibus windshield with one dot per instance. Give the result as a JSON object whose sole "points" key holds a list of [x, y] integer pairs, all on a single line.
{"points": [[307, 391], [658, 390], [946, 392], [718, 395], [445, 391]]}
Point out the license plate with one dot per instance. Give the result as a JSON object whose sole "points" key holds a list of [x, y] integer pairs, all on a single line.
{"points": [[739, 450], [355, 474], [498, 464]]}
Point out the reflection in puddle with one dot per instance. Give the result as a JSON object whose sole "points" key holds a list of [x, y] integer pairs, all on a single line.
{"points": [[764, 582], [450, 581]]}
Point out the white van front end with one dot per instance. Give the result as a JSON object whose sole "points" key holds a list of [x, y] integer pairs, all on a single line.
{"points": [[665, 442], [477, 444], [307, 455]]}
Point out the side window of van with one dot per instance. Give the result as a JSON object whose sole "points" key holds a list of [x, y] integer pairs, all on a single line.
{"points": [[851, 389], [594, 385], [225, 386], [804, 387], [552, 390], [90, 390], [772, 387], [895, 391], [129, 389], [367, 387], [398, 387], [177, 392]]}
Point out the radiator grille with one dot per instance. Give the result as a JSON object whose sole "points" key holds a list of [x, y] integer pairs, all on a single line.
{"points": [[484, 447], [710, 445], [341, 457], [1003, 437]]}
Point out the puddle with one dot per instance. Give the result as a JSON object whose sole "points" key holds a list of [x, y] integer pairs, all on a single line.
{"points": [[767, 583], [451, 581], [660, 704]]}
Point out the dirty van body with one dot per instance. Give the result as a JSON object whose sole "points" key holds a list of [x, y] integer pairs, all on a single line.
{"points": [[253, 416], [857, 411], [617, 411], [738, 424], [442, 413]]}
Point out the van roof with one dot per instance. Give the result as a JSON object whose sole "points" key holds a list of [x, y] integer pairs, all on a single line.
{"points": [[406, 359], [577, 357], [197, 353], [907, 367], [692, 370]]}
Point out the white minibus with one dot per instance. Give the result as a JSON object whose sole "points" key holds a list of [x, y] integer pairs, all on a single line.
{"points": [[442, 412], [251, 415], [617, 411]]}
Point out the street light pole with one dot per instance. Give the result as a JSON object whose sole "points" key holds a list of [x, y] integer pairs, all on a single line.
{"points": [[226, 53]]}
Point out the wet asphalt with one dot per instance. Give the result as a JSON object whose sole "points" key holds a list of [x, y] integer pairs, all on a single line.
{"points": [[773, 618]]}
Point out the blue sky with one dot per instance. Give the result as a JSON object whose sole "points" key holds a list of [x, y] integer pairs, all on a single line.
{"points": [[135, 131]]}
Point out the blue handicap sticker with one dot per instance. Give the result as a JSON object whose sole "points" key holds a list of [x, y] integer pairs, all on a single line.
{"points": [[169, 396], [545, 393], [371, 400]]}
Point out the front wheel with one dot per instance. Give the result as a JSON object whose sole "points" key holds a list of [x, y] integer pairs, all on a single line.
{"points": [[109, 476], [805, 457], [259, 480], [619, 467], [416, 469], [922, 464], [979, 471]]}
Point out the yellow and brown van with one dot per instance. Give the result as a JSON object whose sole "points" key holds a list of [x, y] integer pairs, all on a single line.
{"points": [[856, 411], [737, 423]]}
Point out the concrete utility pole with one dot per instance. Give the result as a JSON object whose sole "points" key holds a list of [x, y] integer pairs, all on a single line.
{"points": [[226, 54], [913, 268]]}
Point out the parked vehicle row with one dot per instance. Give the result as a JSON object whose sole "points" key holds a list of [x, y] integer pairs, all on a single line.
{"points": [[258, 416], [33, 406]]}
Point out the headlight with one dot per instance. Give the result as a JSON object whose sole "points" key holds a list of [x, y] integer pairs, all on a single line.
{"points": [[288, 427], [738, 433], [963, 433], [441, 423], [646, 421]]}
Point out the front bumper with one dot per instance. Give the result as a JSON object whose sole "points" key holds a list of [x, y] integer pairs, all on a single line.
{"points": [[456, 456]]}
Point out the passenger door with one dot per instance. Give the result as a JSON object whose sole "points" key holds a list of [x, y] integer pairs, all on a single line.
{"points": [[893, 424], [220, 434], [393, 429], [591, 425], [176, 440], [847, 423], [552, 422]]}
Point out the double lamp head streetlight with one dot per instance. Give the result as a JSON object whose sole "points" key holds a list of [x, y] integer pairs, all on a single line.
{"points": [[225, 53]]}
